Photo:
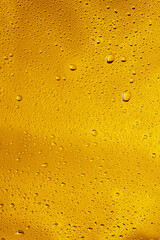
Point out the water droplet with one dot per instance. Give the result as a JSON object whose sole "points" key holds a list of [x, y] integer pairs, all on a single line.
{"points": [[145, 137], [12, 205], [19, 98], [72, 67], [94, 132], [44, 165], [131, 80], [153, 155], [19, 232], [1, 205], [46, 206], [126, 96], [58, 78], [123, 59], [110, 58]]}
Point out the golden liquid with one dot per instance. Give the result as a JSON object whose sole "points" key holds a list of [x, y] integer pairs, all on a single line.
{"points": [[79, 119]]}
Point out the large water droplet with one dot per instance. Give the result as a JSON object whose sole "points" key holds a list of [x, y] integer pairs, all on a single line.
{"points": [[110, 58], [72, 67], [126, 96]]}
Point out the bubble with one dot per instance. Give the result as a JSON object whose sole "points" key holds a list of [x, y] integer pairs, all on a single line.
{"points": [[19, 98], [94, 132], [5, 58], [110, 58], [123, 59], [126, 96], [72, 67]]}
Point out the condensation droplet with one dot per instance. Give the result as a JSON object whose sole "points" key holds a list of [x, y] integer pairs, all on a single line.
{"points": [[61, 148], [153, 155], [131, 80], [123, 59], [94, 132], [72, 67], [19, 98], [58, 78], [110, 58], [12, 205], [19, 232], [126, 96], [44, 165]]}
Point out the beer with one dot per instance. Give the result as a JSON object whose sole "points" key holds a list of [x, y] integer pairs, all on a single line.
{"points": [[79, 107]]}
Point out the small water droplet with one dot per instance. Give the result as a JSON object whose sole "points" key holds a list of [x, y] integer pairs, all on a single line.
{"points": [[19, 98], [46, 206], [1, 205], [44, 165], [145, 137], [72, 67], [61, 148], [153, 155], [12, 205], [19, 232], [58, 78], [123, 59], [131, 80], [94, 132]]}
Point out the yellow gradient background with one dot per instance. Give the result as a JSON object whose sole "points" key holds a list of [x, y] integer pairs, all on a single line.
{"points": [[76, 161]]}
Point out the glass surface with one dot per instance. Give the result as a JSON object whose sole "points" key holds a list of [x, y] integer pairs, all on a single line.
{"points": [[79, 119]]}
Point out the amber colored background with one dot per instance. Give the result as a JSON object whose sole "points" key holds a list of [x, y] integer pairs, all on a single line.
{"points": [[76, 161]]}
